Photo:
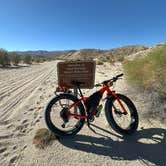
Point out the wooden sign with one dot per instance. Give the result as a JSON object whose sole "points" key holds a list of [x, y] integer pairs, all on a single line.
{"points": [[78, 71]]}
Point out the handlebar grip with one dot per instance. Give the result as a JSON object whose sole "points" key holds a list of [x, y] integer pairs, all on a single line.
{"points": [[114, 79], [120, 75]]}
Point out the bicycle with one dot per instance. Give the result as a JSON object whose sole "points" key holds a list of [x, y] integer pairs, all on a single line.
{"points": [[65, 114]]}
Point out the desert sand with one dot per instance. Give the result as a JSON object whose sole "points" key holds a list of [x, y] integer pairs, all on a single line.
{"points": [[24, 93]]}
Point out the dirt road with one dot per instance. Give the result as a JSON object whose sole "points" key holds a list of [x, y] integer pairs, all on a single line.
{"points": [[24, 93]]}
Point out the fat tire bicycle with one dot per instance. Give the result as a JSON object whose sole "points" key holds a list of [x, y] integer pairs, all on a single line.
{"points": [[65, 114]]}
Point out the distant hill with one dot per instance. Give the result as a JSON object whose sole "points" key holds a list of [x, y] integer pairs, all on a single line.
{"points": [[104, 54], [44, 53], [86, 53]]}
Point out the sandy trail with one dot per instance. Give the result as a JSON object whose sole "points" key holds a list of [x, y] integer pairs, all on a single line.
{"points": [[19, 88], [24, 93]]}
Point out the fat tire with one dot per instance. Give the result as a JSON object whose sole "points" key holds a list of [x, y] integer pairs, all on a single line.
{"points": [[111, 120], [52, 127]]}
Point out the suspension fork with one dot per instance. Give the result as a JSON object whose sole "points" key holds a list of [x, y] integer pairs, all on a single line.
{"points": [[120, 103]]}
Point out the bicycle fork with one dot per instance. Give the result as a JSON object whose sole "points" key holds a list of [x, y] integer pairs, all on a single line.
{"points": [[114, 95]]}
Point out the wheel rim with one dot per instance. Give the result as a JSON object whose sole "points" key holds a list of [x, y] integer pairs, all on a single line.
{"points": [[59, 116], [123, 121]]}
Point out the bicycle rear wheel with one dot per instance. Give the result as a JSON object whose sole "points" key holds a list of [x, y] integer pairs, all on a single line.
{"points": [[57, 118], [123, 124]]}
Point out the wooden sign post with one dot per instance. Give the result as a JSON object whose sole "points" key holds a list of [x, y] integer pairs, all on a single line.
{"points": [[82, 71]]}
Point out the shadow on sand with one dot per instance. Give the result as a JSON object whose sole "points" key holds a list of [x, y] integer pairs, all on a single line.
{"points": [[145, 145], [14, 67]]}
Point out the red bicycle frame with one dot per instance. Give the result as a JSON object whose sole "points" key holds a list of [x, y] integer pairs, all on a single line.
{"points": [[102, 90]]}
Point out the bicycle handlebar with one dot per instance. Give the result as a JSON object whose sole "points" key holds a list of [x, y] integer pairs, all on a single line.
{"points": [[114, 79], [120, 75]]}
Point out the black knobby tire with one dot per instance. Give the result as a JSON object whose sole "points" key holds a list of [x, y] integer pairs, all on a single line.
{"points": [[50, 108], [132, 112]]}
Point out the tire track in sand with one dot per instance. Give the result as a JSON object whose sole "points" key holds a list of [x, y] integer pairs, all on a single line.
{"points": [[22, 93]]}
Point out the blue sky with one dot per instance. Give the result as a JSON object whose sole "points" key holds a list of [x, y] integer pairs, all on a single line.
{"points": [[75, 24]]}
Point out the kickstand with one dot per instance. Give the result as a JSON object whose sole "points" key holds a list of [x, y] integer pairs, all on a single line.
{"points": [[88, 123]]}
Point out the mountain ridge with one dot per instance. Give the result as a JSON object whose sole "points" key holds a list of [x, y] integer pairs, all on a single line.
{"points": [[86, 52]]}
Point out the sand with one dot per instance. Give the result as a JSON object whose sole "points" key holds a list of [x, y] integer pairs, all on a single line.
{"points": [[24, 93]]}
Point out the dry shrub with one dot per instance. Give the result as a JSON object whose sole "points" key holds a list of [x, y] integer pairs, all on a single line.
{"points": [[125, 61], [27, 59], [43, 138], [149, 74], [102, 59], [120, 58], [15, 59], [149, 71], [4, 58], [98, 62], [111, 61], [88, 58]]}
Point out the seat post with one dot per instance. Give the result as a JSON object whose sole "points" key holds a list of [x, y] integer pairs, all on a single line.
{"points": [[80, 91], [77, 88]]}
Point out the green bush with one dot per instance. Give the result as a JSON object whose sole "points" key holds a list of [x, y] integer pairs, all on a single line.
{"points": [[27, 59], [4, 58], [15, 59], [148, 72], [40, 60]]}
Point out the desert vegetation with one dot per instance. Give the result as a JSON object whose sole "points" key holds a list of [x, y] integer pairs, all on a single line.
{"points": [[14, 58], [43, 138], [4, 58], [25, 93], [40, 56], [149, 74], [27, 59], [99, 62], [39, 59]]}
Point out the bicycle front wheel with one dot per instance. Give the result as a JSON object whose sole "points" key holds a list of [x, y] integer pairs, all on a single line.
{"points": [[57, 118], [120, 122]]}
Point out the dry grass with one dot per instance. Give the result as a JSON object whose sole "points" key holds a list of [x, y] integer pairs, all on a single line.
{"points": [[111, 61], [99, 62], [149, 74], [43, 138], [149, 71], [120, 58]]}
